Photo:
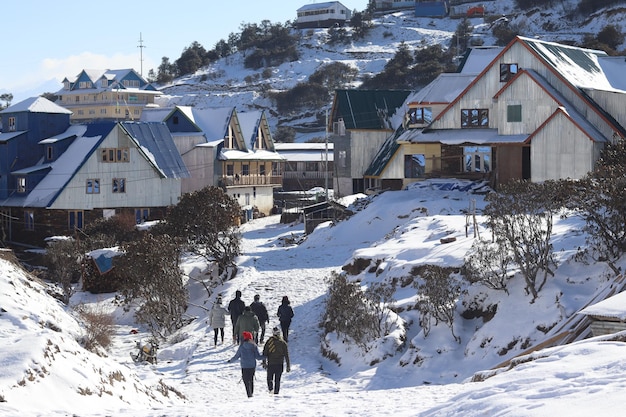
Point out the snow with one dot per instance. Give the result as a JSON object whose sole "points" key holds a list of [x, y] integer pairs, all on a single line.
{"points": [[46, 372]]}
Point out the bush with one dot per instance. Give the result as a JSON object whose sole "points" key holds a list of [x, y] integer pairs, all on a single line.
{"points": [[349, 313], [520, 217], [155, 281], [437, 295], [98, 325]]}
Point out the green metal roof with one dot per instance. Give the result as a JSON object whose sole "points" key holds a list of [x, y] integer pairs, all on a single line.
{"points": [[367, 109]]}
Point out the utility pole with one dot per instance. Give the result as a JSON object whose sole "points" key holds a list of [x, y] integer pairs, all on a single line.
{"points": [[326, 160], [141, 46]]}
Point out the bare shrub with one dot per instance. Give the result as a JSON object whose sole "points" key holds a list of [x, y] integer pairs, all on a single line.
{"points": [[437, 296], [521, 217], [348, 311], [63, 261], [488, 263], [98, 324]]}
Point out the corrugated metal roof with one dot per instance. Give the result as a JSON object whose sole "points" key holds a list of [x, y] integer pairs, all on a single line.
{"points": [[155, 140], [36, 105], [384, 155], [368, 109]]}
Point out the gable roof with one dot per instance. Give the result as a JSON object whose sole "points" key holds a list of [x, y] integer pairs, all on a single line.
{"points": [[63, 169], [36, 105], [317, 6], [213, 121], [367, 109], [152, 139], [115, 82], [155, 141]]}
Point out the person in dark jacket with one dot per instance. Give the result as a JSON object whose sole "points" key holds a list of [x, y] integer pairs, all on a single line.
{"points": [[247, 322], [276, 352], [260, 310], [235, 308], [285, 314], [249, 353]]}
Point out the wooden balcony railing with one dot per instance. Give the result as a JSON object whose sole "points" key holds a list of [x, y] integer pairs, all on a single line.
{"points": [[245, 180]]}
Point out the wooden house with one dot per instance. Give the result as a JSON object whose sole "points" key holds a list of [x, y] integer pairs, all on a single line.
{"points": [[360, 122], [106, 95], [607, 316], [322, 15], [224, 148], [538, 111], [85, 172], [307, 165]]}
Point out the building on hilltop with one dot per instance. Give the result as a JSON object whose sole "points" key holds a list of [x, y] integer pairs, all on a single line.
{"points": [[322, 15], [106, 95]]}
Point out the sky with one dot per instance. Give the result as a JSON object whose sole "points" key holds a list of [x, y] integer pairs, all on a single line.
{"points": [[54, 40], [46, 372]]}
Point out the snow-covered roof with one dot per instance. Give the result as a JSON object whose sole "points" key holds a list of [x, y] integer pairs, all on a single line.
{"points": [[212, 121], [477, 59], [443, 89], [36, 105], [317, 6], [305, 152], [249, 122], [612, 308], [237, 155]]}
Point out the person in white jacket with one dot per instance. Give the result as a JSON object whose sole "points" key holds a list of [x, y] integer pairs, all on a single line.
{"points": [[217, 319]]}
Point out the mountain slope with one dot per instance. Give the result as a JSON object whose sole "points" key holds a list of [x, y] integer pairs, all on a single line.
{"points": [[227, 83]]}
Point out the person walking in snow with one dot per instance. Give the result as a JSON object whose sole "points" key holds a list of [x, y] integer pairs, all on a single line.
{"points": [[249, 353], [260, 310], [247, 322], [235, 308], [285, 314], [217, 319], [276, 352]]}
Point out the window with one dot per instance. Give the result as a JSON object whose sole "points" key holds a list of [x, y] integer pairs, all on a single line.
{"points": [[420, 116], [245, 169], [142, 215], [130, 83], [472, 118], [507, 71], [119, 185], [93, 186], [414, 166], [311, 166], [175, 120], [29, 220], [275, 168], [84, 84], [12, 125], [291, 166], [477, 158], [115, 155], [514, 113], [230, 170], [103, 111], [104, 83], [49, 153], [75, 219], [262, 169], [342, 159], [21, 184]]}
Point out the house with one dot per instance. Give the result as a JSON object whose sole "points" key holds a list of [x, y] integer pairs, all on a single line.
{"points": [[399, 161], [360, 122], [538, 111], [430, 8], [322, 15], [106, 95], [394, 4], [58, 180], [607, 316], [307, 165], [224, 148]]}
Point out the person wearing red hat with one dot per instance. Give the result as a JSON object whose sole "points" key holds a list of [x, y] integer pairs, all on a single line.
{"points": [[249, 353]]}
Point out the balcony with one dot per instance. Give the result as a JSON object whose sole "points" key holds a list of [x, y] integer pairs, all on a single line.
{"points": [[248, 180]]}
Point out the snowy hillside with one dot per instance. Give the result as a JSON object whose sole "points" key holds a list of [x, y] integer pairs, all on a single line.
{"points": [[227, 83], [46, 372]]}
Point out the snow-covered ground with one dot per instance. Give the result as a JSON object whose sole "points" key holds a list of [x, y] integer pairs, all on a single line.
{"points": [[46, 373]]}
